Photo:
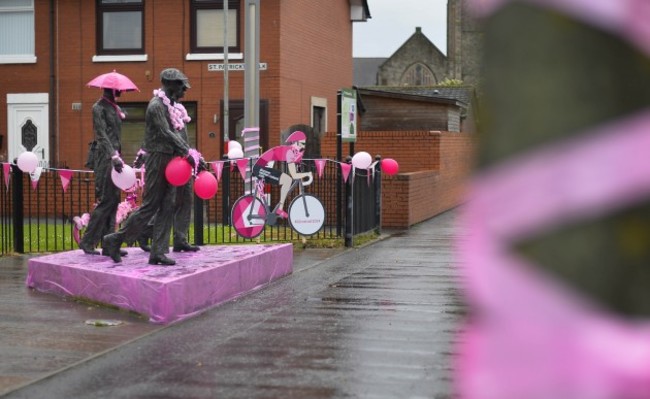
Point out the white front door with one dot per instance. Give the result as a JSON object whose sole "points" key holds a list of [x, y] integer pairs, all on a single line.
{"points": [[28, 126]]}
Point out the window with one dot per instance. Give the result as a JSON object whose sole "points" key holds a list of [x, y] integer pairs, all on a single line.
{"points": [[319, 114], [133, 128], [120, 27], [418, 75], [207, 26], [17, 32]]}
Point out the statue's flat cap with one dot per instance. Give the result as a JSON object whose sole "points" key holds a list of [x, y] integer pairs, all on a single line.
{"points": [[171, 74]]}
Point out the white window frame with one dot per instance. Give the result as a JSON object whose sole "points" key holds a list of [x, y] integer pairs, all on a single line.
{"points": [[25, 58]]}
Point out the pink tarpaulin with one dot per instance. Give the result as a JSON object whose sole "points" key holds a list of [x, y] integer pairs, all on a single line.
{"points": [[165, 294]]}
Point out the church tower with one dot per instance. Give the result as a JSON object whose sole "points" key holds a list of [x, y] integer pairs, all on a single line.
{"points": [[464, 43]]}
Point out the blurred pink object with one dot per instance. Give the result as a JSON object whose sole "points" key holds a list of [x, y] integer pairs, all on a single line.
{"points": [[530, 335], [628, 18], [113, 80], [79, 224]]}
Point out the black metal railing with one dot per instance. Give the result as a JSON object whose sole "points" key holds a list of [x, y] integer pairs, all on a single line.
{"points": [[37, 216]]}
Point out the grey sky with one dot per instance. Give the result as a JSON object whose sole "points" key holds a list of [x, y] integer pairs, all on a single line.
{"points": [[394, 21]]}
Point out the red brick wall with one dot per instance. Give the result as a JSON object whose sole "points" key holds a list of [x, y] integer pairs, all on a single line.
{"points": [[307, 46], [413, 150], [434, 167], [316, 58]]}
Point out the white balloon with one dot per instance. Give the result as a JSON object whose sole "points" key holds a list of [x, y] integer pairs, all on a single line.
{"points": [[361, 160], [27, 161], [234, 144], [235, 153], [124, 180]]}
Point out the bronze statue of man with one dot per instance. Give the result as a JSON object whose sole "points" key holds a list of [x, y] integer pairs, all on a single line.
{"points": [[164, 118], [103, 158]]}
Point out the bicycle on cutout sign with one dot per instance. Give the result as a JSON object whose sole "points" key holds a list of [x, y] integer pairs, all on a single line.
{"points": [[306, 213]]}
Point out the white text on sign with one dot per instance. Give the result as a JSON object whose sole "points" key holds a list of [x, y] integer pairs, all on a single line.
{"points": [[232, 67]]}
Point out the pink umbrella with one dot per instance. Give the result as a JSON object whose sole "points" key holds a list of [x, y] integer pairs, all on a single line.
{"points": [[113, 80]]}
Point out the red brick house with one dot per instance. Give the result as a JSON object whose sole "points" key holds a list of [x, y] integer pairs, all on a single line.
{"points": [[50, 49]]}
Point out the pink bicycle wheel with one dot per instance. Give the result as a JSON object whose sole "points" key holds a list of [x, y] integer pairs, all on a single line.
{"points": [[249, 216]]}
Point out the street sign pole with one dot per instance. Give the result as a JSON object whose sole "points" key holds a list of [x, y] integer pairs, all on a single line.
{"points": [[251, 84]]}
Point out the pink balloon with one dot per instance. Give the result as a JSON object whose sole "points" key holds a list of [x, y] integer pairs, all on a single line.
{"points": [[124, 180], [178, 171], [205, 185], [389, 166]]}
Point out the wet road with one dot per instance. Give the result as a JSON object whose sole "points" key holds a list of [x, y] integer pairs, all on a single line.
{"points": [[374, 322]]}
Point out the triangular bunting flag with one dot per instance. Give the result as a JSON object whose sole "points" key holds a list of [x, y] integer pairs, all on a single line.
{"points": [[345, 170], [241, 165], [35, 176], [66, 176], [320, 166], [217, 167], [6, 170]]}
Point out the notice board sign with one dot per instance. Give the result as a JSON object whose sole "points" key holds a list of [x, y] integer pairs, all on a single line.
{"points": [[348, 115]]}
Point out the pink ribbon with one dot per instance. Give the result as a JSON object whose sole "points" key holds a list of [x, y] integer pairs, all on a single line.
{"points": [[534, 337]]}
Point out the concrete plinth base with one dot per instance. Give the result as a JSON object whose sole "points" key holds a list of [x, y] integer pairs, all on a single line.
{"points": [[165, 294]]}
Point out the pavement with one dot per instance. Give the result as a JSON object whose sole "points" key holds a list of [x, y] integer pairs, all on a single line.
{"points": [[377, 321]]}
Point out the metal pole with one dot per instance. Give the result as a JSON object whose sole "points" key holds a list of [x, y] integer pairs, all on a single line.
{"points": [[349, 209], [252, 64], [226, 99], [18, 212], [339, 156], [251, 85], [198, 220]]}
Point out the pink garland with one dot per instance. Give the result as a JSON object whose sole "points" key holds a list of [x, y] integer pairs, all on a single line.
{"points": [[124, 209], [177, 112], [117, 108]]}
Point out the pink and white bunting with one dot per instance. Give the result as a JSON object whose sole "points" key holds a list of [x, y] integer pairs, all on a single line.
{"points": [[242, 164], [217, 167], [345, 170], [66, 176], [35, 176], [320, 166], [6, 170]]}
